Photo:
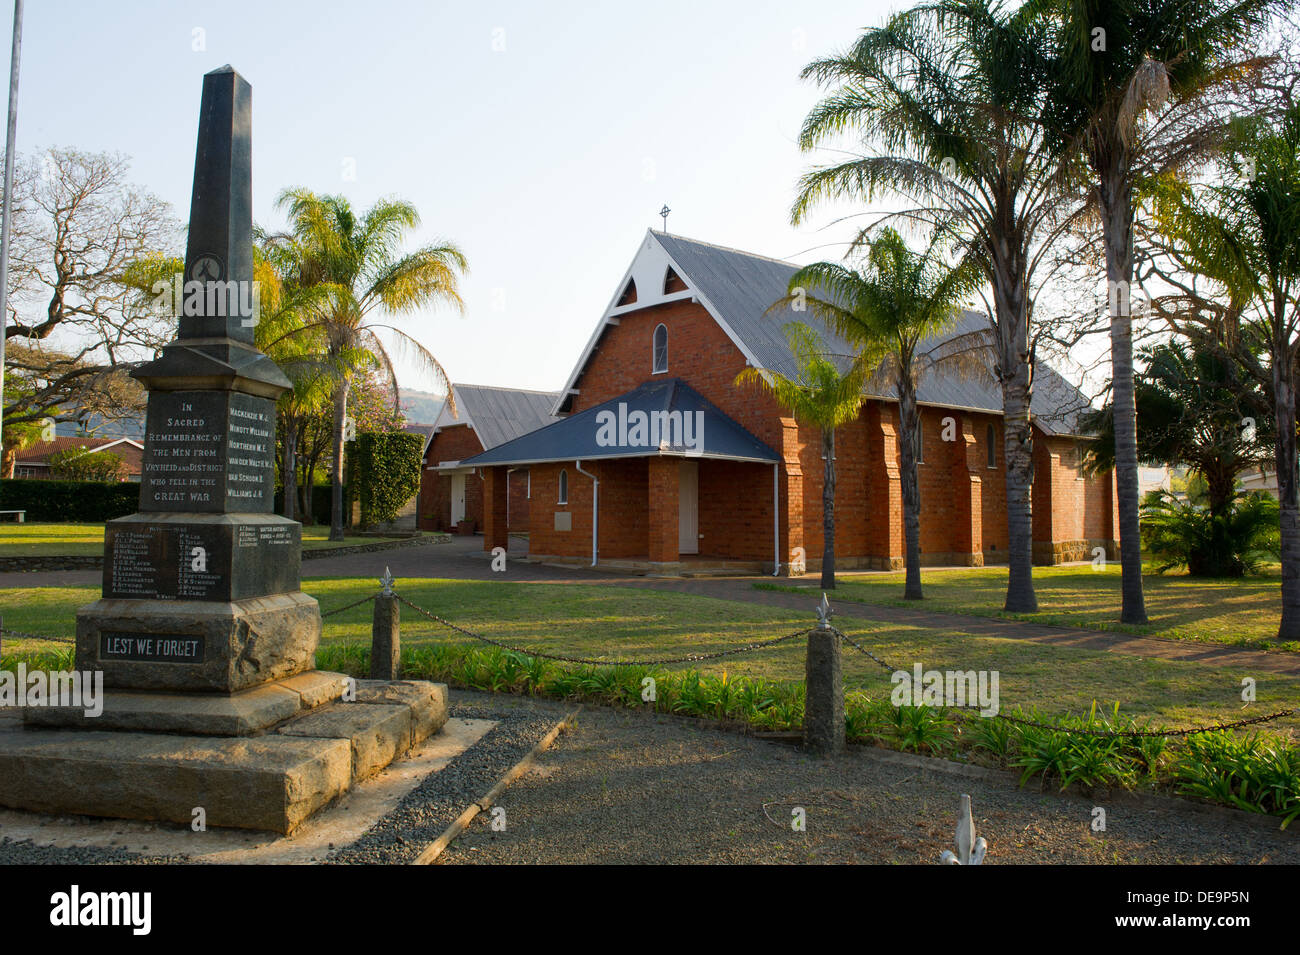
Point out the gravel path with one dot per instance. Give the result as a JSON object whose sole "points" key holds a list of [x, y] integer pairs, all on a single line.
{"points": [[626, 787], [425, 812], [630, 787]]}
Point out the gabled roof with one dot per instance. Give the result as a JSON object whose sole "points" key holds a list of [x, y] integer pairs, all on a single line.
{"points": [[498, 415], [39, 452], [425, 431], [737, 288], [579, 436]]}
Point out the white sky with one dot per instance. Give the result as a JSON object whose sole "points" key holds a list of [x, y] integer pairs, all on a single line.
{"points": [[545, 161]]}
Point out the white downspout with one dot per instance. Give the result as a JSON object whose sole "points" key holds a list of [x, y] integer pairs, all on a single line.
{"points": [[776, 520], [595, 513], [509, 471]]}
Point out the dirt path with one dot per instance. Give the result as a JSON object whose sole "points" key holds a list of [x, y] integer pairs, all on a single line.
{"points": [[629, 788]]}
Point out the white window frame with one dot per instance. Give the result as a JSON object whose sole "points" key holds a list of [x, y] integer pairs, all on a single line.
{"points": [[563, 497], [654, 365]]}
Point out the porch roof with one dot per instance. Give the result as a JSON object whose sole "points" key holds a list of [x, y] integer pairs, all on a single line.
{"points": [[662, 417]]}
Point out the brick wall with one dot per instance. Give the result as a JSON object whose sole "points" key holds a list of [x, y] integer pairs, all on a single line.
{"points": [[963, 500], [519, 501], [455, 443]]}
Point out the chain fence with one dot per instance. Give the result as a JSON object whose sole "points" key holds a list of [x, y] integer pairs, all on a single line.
{"points": [[589, 661], [957, 713], [1079, 731]]}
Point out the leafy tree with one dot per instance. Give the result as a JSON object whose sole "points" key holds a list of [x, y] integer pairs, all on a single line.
{"points": [[887, 311], [74, 327], [1117, 64], [1243, 231], [820, 395], [358, 259], [1195, 409], [948, 100], [79, 464], [1236, 541]]}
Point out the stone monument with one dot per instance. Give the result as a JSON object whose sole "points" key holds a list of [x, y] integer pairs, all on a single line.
{"points": [[204, 638], [201, 587]]}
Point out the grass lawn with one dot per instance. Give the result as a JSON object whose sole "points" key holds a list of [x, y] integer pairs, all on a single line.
{"points": [[1241, 612], [627, 623], [87, 540]]}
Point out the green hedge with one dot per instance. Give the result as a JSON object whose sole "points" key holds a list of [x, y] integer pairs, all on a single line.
{"points": [[81, 502], [385, 470]]}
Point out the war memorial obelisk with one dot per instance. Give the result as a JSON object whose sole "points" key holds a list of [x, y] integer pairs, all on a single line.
{"points": [[204, 638], [205, 536]]}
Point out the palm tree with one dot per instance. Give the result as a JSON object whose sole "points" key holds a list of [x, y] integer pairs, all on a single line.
{"points": [[886, 313], [1116, 62], [820, 395], [947, 98], [1243, 232], [1191, 401], [359, 259], [285, 310]]}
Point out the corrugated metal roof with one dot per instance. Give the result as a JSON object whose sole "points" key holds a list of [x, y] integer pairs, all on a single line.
{"points": [[424, 431], [503, 414], [741, 287], [579, 436]]}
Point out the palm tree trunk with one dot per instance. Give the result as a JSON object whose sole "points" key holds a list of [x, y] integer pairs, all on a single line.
{"points": [[828, 510], [907, 417], [336, 465], [1011, 303], [1284, 398], [1018, 448], [289, 467], [1117, 236]]}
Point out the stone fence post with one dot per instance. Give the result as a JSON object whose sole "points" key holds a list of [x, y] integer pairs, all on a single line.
{"points": [[385, 634], [823, 720]]}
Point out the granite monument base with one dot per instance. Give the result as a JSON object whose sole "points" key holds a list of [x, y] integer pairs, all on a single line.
{"points": [[198, 645], [273, 780]]}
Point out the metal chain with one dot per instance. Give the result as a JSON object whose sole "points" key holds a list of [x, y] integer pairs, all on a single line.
{"points": [[1108, 734], [355, 603], [689, 658], [25, 635]]}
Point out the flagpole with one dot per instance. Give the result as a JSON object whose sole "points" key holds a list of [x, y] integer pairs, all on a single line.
{"points": [[6, 216]]}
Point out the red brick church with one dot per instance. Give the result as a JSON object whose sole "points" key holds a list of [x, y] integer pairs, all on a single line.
{"points": [[657, 461]]}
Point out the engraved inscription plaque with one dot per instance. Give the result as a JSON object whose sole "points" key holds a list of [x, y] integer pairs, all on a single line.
{"points": [[151, 647], [209, 452]]}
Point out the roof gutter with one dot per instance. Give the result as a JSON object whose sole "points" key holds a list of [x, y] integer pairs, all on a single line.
{"points": [[595, 501]]}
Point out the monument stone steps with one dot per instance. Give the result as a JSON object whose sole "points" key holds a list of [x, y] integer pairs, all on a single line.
{"points": [[272, 781]]}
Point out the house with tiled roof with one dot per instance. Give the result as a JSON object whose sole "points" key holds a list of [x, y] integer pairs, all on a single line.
{"points": [[656, 460], [451, 492], [33, 461]]}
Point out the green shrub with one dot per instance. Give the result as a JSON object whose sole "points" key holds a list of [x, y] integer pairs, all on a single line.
{"points": [[1230, 544], [1250, 773], [385, 467], [79, 464], [82, 502]]}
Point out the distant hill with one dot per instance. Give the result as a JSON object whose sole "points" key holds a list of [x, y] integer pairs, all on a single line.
{"points": [[421, 407]]}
